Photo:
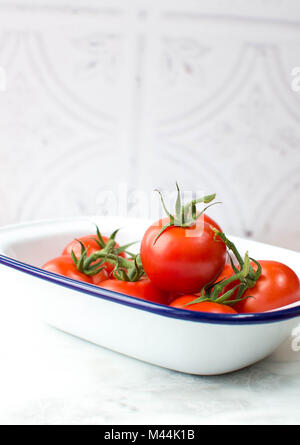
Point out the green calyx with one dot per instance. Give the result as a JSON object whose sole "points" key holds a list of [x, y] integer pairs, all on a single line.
{"points": [[245, 274], [214, 292], [184, 215], [110, 245], [125, 269], [134, 270], [79, 262], [252, 276]]}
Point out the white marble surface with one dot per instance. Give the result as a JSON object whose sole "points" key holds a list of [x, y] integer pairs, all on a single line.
{"points": [[48, 377]]}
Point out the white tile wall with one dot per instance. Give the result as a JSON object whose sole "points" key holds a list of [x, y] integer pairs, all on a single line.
{"points": [[101, 93]]}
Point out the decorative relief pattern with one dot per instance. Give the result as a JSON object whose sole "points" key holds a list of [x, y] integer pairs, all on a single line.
{"points": [[101, 57], [249, 146], [85, 100], [205, 100], [183, 60], [77, 184]]}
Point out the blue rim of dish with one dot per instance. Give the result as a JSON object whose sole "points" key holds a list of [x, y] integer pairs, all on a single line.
{"points": [[155, 308]]}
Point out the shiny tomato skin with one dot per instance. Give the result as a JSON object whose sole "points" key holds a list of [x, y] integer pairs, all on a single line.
{"points": [[142, 288], [89, 243], [182, 260], [207, 219], [205, 306], [226, 273], [92, 246], [64, 265], [277, 286], [100, 276]]}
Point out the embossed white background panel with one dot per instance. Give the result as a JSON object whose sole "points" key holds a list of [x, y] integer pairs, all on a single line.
{"points": [[101, 93]]}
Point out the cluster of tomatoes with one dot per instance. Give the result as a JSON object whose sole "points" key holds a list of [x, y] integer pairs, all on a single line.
{"points": [[185, 261]]}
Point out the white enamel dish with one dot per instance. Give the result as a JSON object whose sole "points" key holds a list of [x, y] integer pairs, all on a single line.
{"points": [[186, 341]]}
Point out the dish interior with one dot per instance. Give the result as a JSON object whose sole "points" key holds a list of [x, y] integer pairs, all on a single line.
{"points": [[36, 243]]}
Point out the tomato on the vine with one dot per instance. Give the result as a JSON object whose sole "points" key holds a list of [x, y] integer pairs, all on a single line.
{"points": [[226, 273], [184, 301], [143, 288], [277, 286], [93, 244], [181, 253], [182, 259], [64, 265], [89, 242]]}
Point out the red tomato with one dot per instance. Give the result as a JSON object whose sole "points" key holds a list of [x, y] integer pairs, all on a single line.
{"points": [[142, 288], [227, 272], [210, 221], [174, 295], [277, 286], [205, 306], [64, 265], [89, 243], [92, 246], [182, 259]]}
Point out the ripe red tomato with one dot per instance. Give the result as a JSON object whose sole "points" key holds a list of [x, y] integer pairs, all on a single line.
{"points": [[64, 265], [226, 273], [210, 221], [92, 246], [205, 306], [277, 286], [182, 259], [89, 243], [142, 288]]}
